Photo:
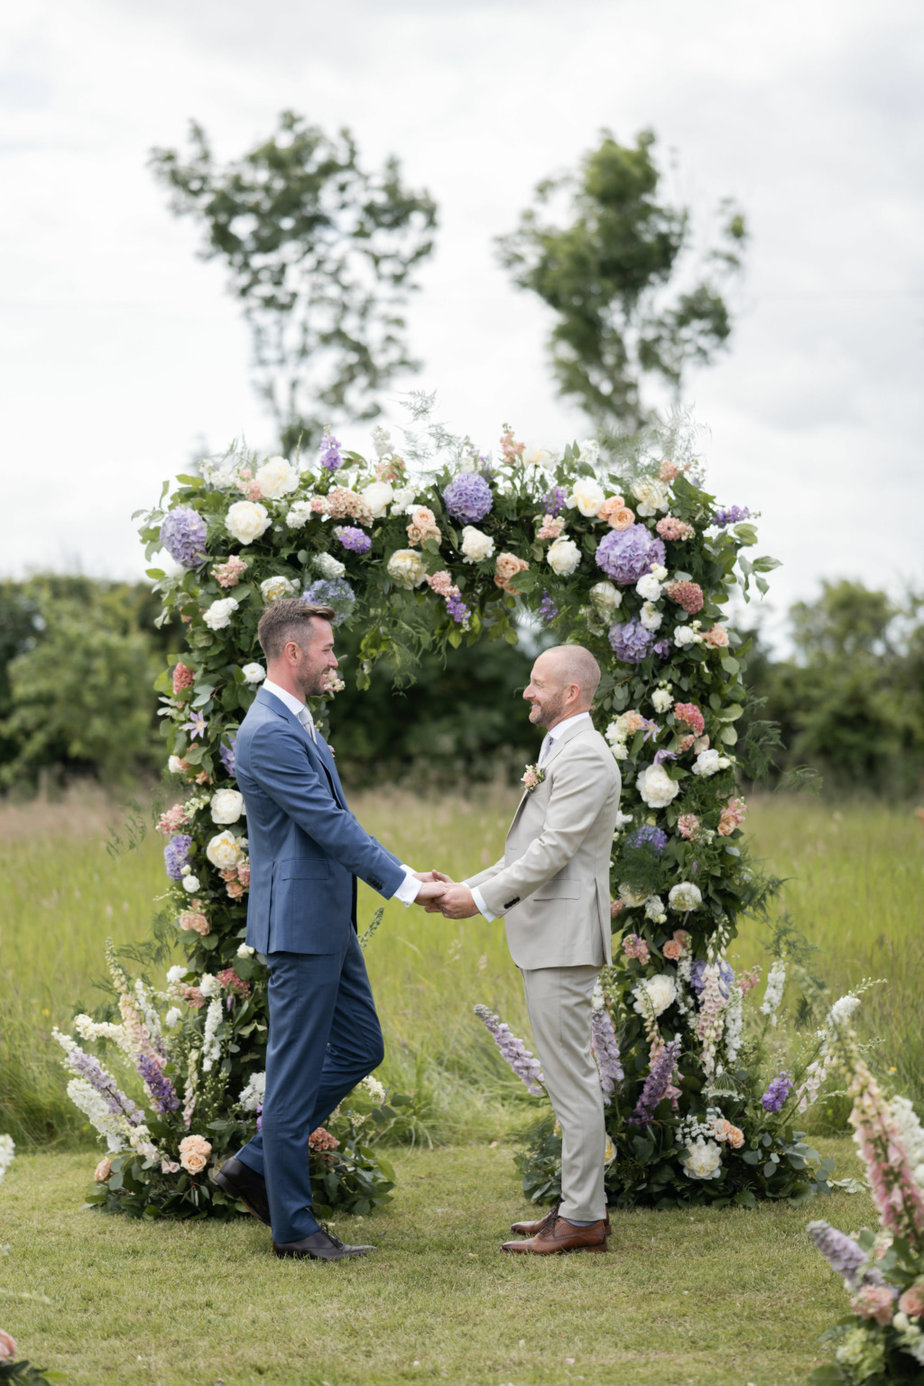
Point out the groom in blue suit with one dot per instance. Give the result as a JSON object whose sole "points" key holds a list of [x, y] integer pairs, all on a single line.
{"points": [[306, 852]]}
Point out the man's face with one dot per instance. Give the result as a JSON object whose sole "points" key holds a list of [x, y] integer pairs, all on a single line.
{"points": [[546, 693], [315, 659]]}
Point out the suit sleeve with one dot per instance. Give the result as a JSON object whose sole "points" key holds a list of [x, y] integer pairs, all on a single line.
{"points": [[283, 770], [579, 787]]}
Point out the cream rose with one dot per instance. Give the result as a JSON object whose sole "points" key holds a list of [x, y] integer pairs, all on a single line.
{"points": [[272, 589], [246, 521], [476, 545], [588, 495], [656, 787], [407, 568], [606, 597], [653, 995], [227, 805], [224, 850], [194, 1153], [218, 615], [378, 495], [276, 478], [563, 556], [651, 495], [703, 1160], [685, 896]]}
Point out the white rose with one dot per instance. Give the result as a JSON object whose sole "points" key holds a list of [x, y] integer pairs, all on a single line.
{"points": [[654, 994], [685, 896], [378, 495], [328, 566], [563, 556], [684, 636], [274, 588], [606, 597], [190, 883], [709, 763], [476, 545], [224, 851], [661, 699], [407, 568], [648, 587], [588, 495], [246, 521], [651, 495], [253, 673], [403, 497], [650, 617], [703, 1160], [656, 787], [245, 951], [299, 514], [176, 766], [658, 571], [218, 615], [276, 477], [227, 805]]}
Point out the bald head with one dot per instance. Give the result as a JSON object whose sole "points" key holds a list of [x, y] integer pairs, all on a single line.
{"points": [[562, 683]]}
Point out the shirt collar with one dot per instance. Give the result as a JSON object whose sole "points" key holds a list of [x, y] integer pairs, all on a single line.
{"points": [[289, 700], [565, 724]]}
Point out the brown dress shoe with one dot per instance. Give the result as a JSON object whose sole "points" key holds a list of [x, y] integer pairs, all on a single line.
{"points": [[529, 1229], [562, 1236]]}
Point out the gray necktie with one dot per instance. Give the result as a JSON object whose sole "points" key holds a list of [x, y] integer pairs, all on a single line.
{"points": [[544, 748], [307, 721]]}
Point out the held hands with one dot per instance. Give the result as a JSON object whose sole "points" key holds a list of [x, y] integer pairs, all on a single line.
{"points": [[454, 902]]}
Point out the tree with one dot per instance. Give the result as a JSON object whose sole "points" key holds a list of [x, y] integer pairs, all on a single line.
{"points": [[610, 274], [322, 255]]}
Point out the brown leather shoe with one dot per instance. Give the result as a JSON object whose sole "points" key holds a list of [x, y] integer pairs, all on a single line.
{"points": [[529, 1229], [563, 1236]]}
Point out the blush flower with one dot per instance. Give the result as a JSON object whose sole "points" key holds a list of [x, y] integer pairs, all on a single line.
{"points": [[194, 1153]]}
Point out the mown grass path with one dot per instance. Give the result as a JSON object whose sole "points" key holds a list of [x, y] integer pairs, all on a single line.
{"points": [[723, 1297]]}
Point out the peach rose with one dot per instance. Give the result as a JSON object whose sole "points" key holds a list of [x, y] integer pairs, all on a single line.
{"points": [[617, 517], [192, 919], [103, 1170], [672, 950], [912, 1301], [717, 637], [506, 567], [194, 1153]]}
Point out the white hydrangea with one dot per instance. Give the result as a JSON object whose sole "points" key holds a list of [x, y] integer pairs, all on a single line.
{"points": [[685, 896], [253, 1094], [226, 805], [653, 995], [218, 615], [710, 763], [224, 850], [563, 556], [648, 587], [476, 545], [299, 514], [328, 566], [378, 495], [662, 699], [407, 568], [273, 589], [253, 673], [702, 1160], [276, 477], [654, 909], [588, 495], [684, 636], [656, 787], [246, 521]]}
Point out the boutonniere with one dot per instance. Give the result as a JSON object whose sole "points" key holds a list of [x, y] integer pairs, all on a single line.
{"points": [[532, 777], [333, 753]]}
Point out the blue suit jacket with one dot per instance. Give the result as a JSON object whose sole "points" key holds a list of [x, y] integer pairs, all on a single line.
{"points": [[306, 847]]}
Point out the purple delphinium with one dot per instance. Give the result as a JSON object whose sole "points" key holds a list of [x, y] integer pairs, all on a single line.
{"points": [[630, 641], [88, 1067], [333, 592], [554, 501], [625, 555], [457, 609], [730, 515], [656, 1085], [331, 460], [158, 1085], [226, 751], [774, 1099], [843, 1255], [183, 533], [648, 837], [356, 540], [468, 497], [726, 974], [176, 854], [605, 1048], [524, 1064], [547, 609]]}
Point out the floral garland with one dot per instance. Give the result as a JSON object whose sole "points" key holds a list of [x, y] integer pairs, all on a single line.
{"points": [[435, 544]]}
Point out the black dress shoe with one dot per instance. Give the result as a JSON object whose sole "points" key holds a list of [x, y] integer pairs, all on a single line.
{"points": [[320, 1246], [240, 1181]]}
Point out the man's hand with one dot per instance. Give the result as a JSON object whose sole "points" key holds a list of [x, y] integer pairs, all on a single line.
{"points": [[457, 902], [434, 904], [430, 891]]}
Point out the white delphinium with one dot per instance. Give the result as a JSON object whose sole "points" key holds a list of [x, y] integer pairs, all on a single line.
{"points": [[211, 1047], [115, 1126], [90, 1029], [733, 1023], [773, 995], [251, 1098]]}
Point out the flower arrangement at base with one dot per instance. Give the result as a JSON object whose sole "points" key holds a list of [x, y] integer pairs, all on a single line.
{"points": [[12, 1367]]}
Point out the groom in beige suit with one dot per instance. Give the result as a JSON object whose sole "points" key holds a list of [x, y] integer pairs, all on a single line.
{"points": [[553, 886]]}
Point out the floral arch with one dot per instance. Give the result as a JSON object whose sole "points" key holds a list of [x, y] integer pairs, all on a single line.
{"points": [[629, 556]]}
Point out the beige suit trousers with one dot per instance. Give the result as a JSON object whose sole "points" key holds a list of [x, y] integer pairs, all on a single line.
{"points": [[558, 1000]]}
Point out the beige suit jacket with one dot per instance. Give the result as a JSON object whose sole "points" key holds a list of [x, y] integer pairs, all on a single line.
{"points": [[553, 882]]}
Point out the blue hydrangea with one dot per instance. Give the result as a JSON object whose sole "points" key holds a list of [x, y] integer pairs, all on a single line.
{"points": [[648, 836], [468, 498], [334, 592], [176, 854], [630, 641], [183, 534], [625, 555]]}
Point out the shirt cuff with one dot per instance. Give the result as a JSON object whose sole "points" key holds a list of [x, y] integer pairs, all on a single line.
{"points": [[479, 901], [407, 890]]}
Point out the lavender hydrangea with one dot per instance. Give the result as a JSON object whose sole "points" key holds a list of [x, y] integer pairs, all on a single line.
{"points": [[176, 854], [605, 1048], [625, 555], [726, 974], [547, 609], [630, 641], [333, 592], [226, 752], [843, 1254], [774, 1099], [524, 1064], [356, 540], [662, 649], [730, 515], [468, 498], [656, 1085], [158, 1085], [554, 501], [649, 837], [183, 534], [331, 460]]}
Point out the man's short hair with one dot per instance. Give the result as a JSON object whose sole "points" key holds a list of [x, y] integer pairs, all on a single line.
{"points": [[289, 619]]}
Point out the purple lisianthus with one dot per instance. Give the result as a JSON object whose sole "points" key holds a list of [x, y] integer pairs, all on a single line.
{"points": [[468, 497], [176, 854], [649, 837], [554, 501], [843, 1254], [333, 592], [157, 1084], [730, 515], [630, 641], [625, 555], [183, 533], [774, 1099], [331, 460], [656, 1085], [226, 751], [547, 609], [457, 609], [726, 976], [356, 540], [523, 1063], [605, 1049]]}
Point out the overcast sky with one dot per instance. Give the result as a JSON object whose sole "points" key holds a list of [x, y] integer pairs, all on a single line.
{"points": [[120, 350]]}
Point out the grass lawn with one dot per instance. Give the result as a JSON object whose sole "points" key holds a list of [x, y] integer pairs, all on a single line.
{"points": [[704, 1296]]}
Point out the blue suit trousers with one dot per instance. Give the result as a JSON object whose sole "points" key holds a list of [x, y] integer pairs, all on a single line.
{"points": [[324, 1038]]}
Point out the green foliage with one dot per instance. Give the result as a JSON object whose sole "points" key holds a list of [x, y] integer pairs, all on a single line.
{"points": [[322, 255], [613, 269]]}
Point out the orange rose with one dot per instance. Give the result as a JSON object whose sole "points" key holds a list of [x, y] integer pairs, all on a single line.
{"points": [[506, 567], [194, 1153]]}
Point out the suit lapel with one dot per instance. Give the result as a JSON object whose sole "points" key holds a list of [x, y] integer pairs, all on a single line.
{"points": [[318, 748]]}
